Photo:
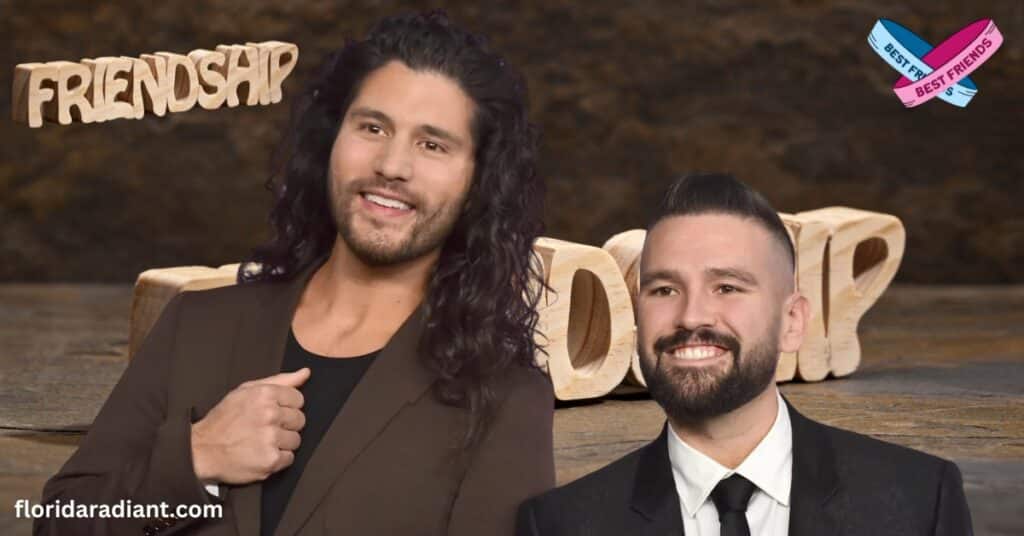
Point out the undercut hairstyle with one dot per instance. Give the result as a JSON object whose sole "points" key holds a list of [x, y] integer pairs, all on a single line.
{"points": [[721, 193], [481, 299]]}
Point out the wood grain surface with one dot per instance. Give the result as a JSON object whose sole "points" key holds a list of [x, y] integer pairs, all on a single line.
{"points": [[942, 371]]}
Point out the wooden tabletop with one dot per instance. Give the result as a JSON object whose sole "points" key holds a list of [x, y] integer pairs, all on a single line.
{"points": [[943, 372]]}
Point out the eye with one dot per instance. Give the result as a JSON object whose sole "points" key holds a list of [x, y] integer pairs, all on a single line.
{"points": [[372, 128], [662, 291], [434, 147], [727, 289]]}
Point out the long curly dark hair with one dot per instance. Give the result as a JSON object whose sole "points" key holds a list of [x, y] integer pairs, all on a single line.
{"points": [[481, 299]]}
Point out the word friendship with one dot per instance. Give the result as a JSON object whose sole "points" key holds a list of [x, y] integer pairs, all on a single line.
{"points": [[102, 89]]}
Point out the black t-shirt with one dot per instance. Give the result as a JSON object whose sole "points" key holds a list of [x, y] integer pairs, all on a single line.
{"points": [[330, 383]]}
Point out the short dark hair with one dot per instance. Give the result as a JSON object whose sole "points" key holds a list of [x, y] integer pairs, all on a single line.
{"points": [[721, 193]]}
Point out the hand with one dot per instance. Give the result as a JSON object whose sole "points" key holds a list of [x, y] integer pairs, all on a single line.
{"points": [[252, 432]]}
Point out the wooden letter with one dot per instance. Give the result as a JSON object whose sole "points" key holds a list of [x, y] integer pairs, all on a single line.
{"points": [[117, 84], [263, 51], [35, 84], [811, 362], [283, 57], [210, 66], [242, 68], [94, 93], [625, 248], [864, 252], [588, 320], [151, 85], [73, 81], [183, 81]]}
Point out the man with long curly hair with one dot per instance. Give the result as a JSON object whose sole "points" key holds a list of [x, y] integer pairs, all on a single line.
{"points": [[373, 372]]}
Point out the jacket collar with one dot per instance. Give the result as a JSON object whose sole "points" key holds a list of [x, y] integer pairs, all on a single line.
{"points": [[654, 491], [816, 497]]}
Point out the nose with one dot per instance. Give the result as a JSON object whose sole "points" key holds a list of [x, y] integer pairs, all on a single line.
{"points": [[393, 161], [695, 311]]}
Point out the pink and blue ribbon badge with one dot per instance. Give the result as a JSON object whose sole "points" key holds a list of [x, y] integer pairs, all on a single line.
{"points": [[939, 72]]}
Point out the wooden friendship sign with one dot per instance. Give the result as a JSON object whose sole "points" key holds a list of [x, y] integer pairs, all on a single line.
{"points": [[845, 259], [101, 89]]}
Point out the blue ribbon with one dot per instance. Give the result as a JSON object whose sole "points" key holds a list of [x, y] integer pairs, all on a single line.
{"points": [[903, 50]]}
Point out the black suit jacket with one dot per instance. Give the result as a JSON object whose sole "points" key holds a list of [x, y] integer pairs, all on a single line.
{"points": [[843, 483]]}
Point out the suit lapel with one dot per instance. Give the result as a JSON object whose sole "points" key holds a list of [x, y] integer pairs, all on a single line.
{"points": [[654, 490], [258, 352], [395, 378], [816, 497]]}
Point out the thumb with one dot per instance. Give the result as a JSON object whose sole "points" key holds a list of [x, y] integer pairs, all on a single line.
{"points": [[288, 379]]}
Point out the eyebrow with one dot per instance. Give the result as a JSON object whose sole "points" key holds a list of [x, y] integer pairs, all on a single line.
{"points": [[649, 277], [717, 273], [443, 134], [733, 273], [430, 130], [370, 113]]}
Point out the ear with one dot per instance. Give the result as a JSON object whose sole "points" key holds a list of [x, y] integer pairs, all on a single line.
{"points": [[794, 322]]}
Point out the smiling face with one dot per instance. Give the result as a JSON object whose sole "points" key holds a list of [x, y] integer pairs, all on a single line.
{"points": [[401, 165], [715, 307]]}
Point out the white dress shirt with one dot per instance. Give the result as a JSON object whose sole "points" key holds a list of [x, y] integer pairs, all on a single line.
{"points": [[769, 466]]}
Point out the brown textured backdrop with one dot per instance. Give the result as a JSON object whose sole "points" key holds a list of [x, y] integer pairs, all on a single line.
{"points": [[788, 96]]}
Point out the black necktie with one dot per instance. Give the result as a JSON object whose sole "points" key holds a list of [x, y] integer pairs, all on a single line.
{"points": [[731, 497]]}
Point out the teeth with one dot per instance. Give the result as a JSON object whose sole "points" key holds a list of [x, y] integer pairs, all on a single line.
{"points": [[385, 202], [697, 352]]}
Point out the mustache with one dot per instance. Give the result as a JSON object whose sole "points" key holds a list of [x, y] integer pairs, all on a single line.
{"points": [[698, 336], [389, 185]]}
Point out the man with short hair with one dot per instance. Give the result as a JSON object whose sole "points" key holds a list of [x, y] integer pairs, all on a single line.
{"points": [[716, 304], [374, 371]]}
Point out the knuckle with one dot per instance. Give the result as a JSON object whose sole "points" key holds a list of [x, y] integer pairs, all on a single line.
{"points": [[269, 458]]}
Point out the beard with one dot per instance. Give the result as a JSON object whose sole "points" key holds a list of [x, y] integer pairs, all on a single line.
{"points": [[379, 246], [694, 394]]}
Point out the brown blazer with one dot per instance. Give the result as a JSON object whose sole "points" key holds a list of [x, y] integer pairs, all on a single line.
{"points": [[385, 466]]}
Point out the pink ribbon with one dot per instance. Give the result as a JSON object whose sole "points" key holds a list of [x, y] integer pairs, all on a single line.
{"points": [[954, 59]]}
